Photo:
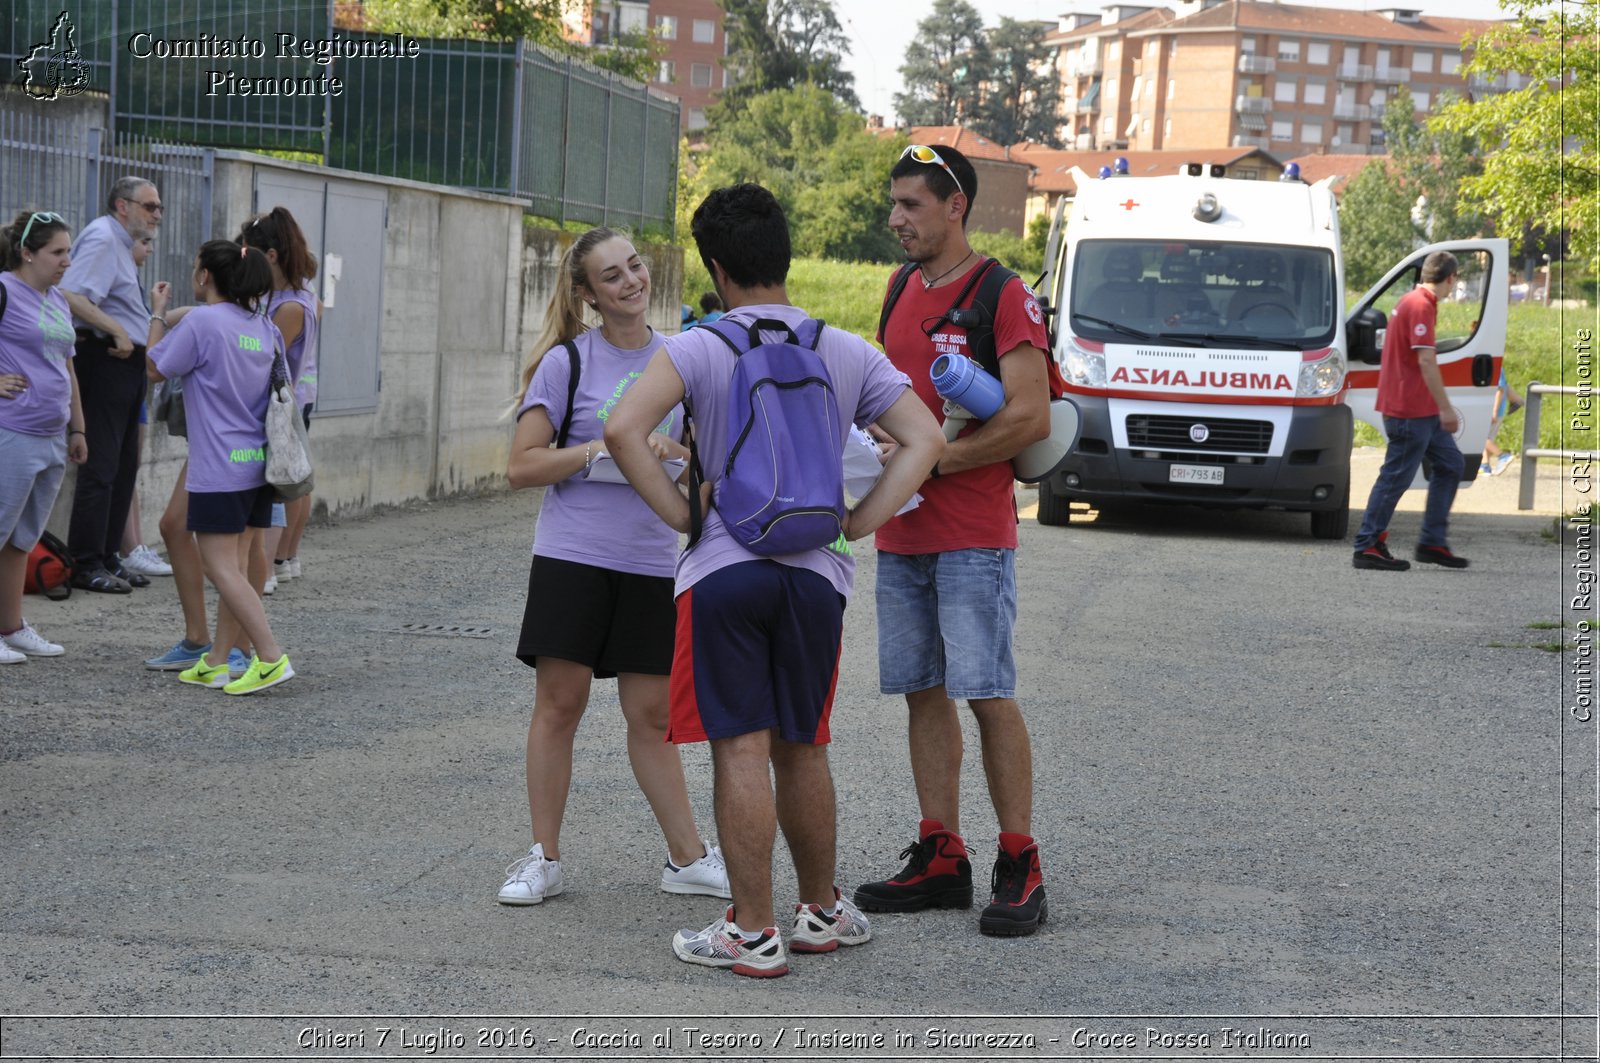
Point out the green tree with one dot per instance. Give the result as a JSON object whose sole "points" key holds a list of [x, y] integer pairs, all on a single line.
{"points": [[1540, 171], [1374, 225], [946, 65], [1430, 165], [778, 44], [814, 154], [1022, 98]]}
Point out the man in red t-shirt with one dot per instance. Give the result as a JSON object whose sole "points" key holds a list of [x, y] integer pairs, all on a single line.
{"points": [[1420, 422], [946, 580]]}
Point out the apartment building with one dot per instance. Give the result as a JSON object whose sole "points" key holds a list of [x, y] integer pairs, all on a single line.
{"points": [[1288, 78], [691, 32]]}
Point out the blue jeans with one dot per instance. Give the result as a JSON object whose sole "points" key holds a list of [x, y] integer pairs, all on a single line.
{"points": [[1410, 440], [946, 619]]}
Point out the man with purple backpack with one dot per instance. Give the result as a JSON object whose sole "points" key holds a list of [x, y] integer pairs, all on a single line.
{"points": [[760, 601]]}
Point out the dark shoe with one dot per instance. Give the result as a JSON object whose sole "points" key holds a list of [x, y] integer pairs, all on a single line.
{"points": [[937, 875], [1440, 555], [1377, 556], [1018, 905], [132, 579], [100, 581]]}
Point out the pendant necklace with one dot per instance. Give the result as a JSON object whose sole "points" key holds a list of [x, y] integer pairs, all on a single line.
{"points": [[926, 283]]}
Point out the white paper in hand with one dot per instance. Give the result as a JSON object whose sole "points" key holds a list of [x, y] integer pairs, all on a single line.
{"points": [[603, 470], [863, 465]]}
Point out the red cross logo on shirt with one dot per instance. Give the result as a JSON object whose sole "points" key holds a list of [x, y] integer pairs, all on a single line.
{"points": [[1129, 205]]}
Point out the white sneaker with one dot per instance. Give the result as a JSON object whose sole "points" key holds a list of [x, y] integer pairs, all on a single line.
{"points": [[707, 876], [269, 587], [146, 562], [531, 879], [722, 944], [818, 930], [28, 641], [294, 567], [11, 656], [283, 570]]}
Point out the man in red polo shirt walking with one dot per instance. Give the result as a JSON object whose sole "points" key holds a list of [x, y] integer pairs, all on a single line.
{"points": [[1420, 422]]}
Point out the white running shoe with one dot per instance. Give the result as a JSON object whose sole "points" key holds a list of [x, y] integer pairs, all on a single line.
{"points": [[283, 571], [28, 641], [294, 567], [270, 587], [531, 879], [146, 562], [707, 876], [11, 656], [723, 945], [818, 930]]}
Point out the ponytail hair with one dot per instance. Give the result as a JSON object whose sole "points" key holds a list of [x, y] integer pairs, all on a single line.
{"points": [[39, 234], [243, 275], [276, 230], [564, 316]]}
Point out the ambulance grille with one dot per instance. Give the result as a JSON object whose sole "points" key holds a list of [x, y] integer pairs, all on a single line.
{"points": [[1225, 435]]}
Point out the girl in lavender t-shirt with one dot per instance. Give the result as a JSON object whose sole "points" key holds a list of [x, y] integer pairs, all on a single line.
{"points": [[41, 420], [224, 350], [294, 307], [600, 587]]}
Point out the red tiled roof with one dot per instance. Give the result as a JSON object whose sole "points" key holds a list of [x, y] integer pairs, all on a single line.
{"points": [[1053, 168], [1342, 168], [1330, 22], [962, 139], [1143, 21]]}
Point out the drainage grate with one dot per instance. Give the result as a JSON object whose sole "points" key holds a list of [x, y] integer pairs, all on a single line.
{"points": [[449, 631]]}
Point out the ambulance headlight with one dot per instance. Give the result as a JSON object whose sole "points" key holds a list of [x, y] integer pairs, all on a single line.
{"points": [[1321, 378], [1082, 367]]}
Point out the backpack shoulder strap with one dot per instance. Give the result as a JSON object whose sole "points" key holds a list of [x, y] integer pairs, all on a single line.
{"points": [[990, 278], [5, 296], [572, 391], [902, 275]]}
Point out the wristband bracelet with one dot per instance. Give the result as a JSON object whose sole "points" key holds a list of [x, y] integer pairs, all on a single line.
{"points": [[588, 456], [76, 432]]}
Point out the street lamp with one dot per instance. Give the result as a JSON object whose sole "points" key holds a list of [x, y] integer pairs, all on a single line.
{"points": [[1546, 267]]}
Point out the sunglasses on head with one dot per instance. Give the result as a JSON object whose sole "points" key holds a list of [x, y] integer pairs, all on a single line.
{"points": [[45, 216], [928, 157]]}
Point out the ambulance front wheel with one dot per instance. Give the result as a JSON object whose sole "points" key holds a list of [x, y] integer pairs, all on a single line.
{"points": [[1332, 523], [1055, 508]]}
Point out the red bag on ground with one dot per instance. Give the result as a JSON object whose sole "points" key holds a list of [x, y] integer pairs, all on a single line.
{"points": [[49, 570]]}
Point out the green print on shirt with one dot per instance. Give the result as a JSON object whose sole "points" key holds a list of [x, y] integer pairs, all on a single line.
{"points": [[249, 343], [247, 455], [57, 330], [604, 414], [841, 546]]}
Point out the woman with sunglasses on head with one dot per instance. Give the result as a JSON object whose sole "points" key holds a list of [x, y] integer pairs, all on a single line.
{"points": [[296, 310], [224, 350], [41, 416], [600, 587]]}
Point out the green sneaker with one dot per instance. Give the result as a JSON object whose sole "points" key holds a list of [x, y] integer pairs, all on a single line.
{"points": [[261, 675], [202, 674]]}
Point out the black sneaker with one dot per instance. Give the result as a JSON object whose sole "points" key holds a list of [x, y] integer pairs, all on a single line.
{"points": [[937, 875], [1018, 905], [1377, 556], [1440, 555]]}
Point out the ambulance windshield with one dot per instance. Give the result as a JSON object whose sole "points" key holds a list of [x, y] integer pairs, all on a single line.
{"points": [[1204, 294]]}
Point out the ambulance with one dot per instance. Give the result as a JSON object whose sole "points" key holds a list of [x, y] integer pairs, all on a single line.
{"points": [[1200, 325]]}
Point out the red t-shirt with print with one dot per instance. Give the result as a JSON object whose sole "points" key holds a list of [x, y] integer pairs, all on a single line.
{"points": [[974, 509], [1401, 390]]}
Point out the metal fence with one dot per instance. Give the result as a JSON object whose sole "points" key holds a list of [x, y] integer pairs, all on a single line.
{"points": [[580, 143], [48, 162]]}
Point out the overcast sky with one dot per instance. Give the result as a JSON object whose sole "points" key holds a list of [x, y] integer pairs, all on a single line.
{"points": [[879, 31]]}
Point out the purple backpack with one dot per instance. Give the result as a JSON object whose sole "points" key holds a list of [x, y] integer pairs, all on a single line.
{"points": [[782, 487]]}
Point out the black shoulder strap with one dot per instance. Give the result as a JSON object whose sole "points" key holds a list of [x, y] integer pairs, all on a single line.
{"points": [[991, 279], [572, 391], [4, 297], [899, 285]]}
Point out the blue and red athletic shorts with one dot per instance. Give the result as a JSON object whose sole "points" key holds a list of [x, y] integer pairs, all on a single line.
{"points": [[757, 648]]}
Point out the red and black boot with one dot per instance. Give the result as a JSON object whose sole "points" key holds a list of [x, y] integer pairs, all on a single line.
{"points": [[1018, 905], [937, 874]]}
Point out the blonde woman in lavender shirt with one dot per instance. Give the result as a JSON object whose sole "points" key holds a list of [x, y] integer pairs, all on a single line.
{"points": [[224, 350], [41, 416], [600, 586]]}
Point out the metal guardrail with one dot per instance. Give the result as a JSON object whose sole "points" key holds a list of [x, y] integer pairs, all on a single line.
{"points": [[1531, 451]]}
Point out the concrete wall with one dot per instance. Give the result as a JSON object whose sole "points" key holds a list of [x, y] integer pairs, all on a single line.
{"points": [[465, 286]]}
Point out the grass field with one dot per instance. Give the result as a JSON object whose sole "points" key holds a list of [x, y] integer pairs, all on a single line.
{"points": [[1538, 340]]}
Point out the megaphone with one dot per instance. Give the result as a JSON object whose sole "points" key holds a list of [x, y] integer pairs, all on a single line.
{"points": [[971, 393]]}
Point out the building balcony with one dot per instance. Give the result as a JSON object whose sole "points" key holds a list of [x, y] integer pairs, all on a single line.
{"points": [[1353, 112], [1247, 140], [1083, 67], [1252, 105], [1391, 75], [1352, 149], [1362, 72], [1256, 64]]}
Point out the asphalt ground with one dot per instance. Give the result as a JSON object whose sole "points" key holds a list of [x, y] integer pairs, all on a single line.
{"points": [[1338, 813]]}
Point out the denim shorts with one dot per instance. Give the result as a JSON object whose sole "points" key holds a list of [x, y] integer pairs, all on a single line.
{"points": [[947, 619]]}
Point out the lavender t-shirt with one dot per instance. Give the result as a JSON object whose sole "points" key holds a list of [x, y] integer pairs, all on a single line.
{"points": [[865, 383], [602, 524], [224, 354], [302, 354], [36, 340]]}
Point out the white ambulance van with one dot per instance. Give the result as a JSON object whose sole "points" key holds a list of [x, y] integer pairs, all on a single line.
{"points": [[1201, 328]]}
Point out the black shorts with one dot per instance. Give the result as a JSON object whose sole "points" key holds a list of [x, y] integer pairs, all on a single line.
{"points": [[614, 622], [230, 512]]}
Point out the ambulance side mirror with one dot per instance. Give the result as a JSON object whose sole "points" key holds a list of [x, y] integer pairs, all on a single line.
{"points": [[1361, 335]]}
